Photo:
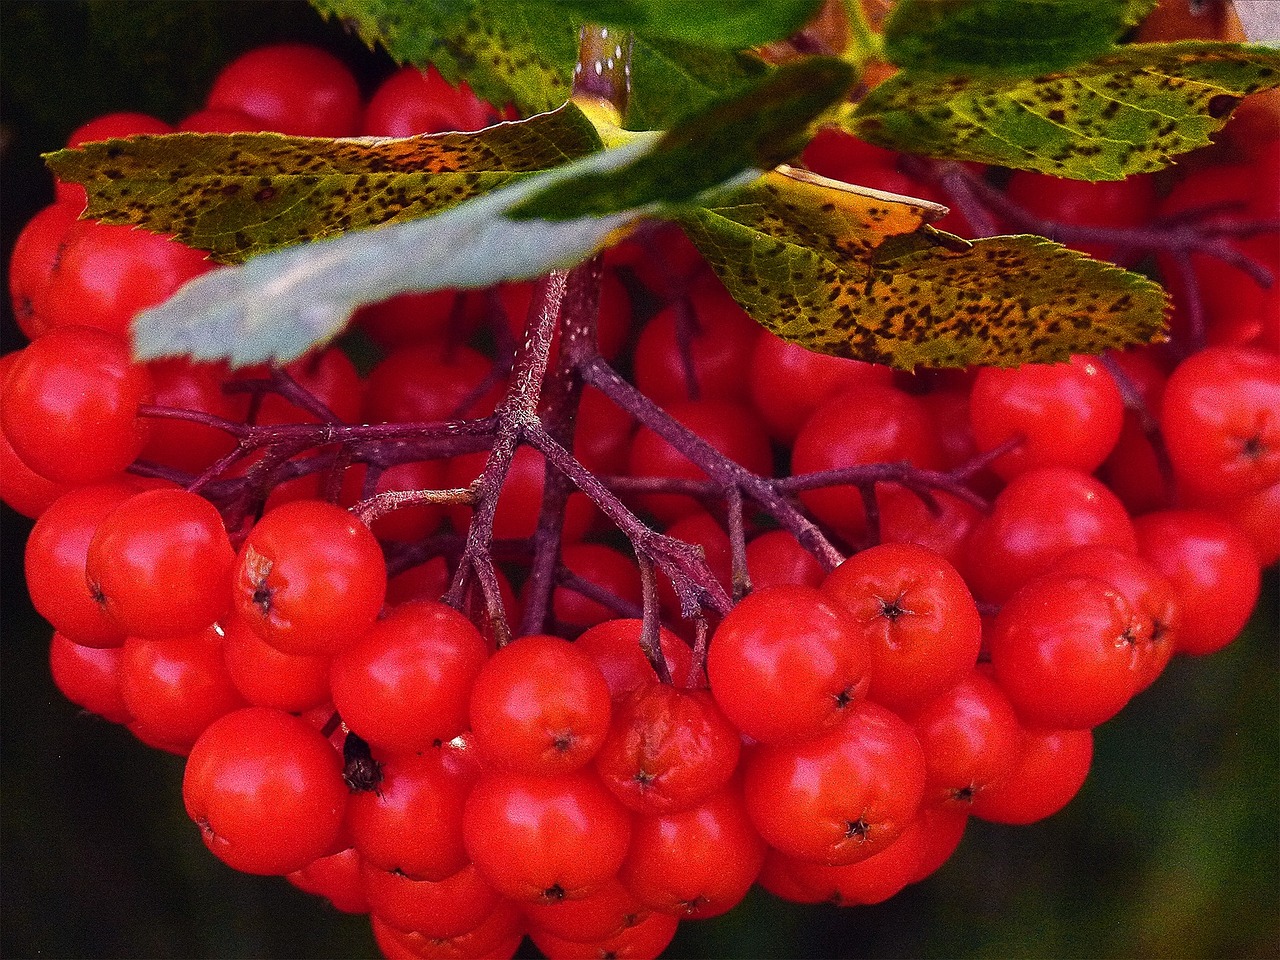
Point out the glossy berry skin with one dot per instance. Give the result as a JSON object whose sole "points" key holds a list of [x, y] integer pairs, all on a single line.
{"points": [[268, 678], [413, 101], [161, 562], [714, 334], [647, 937], [1051, 770], [291, 88], [1067, 414], [266, 790], [540, 839], [1156, 608], [971, 738], [916, 617], [841, 797], [1214, 571], [786, 663], [89, 677], [789, 382], [407, 681], [614, 645], [175, 687], [1221, 421], [498, 936], [336, 878], [440, 909], [1040, 515], [411, 821], [1063, 649], [695, 863], [667, 749], [35, 254], [54, 561], [70, 405], [539, 705], [852, 428], [309, 578], [107, 273], [776, 559], [430, 381], [597, 916]]}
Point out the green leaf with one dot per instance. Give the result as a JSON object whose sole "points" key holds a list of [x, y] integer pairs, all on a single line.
{"points": [[509, 52], [755, 129], [243, 194], [726, 24], [1006, 39], [671, 80], [523, 52], [280, 305], [857, 274], [1126, 112]]}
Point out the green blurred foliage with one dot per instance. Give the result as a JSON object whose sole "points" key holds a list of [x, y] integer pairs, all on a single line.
{"points": [[1172, 848]]}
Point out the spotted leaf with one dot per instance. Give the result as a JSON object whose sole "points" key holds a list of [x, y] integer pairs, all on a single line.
{"points": [[242, 194], [859, 274], [1126, 112], [1009, 39]]}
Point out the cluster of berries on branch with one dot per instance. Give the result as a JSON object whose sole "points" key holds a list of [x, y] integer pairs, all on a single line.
{"points": [[574, 609]]}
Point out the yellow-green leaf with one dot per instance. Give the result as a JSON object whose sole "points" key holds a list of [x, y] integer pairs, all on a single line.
{"points": [[1126, 112], [862, 276], [238, 195]]}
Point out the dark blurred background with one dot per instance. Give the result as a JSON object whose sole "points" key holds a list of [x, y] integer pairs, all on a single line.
{"points": [[1172, 849]]}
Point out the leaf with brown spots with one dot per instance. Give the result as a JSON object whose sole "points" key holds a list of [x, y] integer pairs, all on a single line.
{"points": [[242, 194], [859, 274], [1126, 112], [523, 52]]}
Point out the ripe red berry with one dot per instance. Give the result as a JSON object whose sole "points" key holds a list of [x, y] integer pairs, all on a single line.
{"points": [[1066, 651], [291, 88], [915, 616], [161, 563], [407, 681], [1050, 771], [539, 705], [786, 663], [841, 797], [69, 405], [266, 791], [539, 839], [695, 863], [89, 677], [1221, 421], [667, 749], [1064, 414], [310, 578]]}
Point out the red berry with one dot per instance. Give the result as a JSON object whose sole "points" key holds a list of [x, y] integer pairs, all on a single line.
{"points": [[786, 663], [407, 681], [266, 791], [70, 405], [310, 578], [291, 88]]}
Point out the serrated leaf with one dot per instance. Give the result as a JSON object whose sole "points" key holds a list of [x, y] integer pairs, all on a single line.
{"points": [[507, 52], [243, 194], [1127, 112], [670, 80], [523, 52], [1002, 38], [279, 305], [754, 129], [861, 276]]}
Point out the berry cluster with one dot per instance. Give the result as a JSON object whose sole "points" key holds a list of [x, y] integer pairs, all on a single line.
{"points": [[913, 596]]}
